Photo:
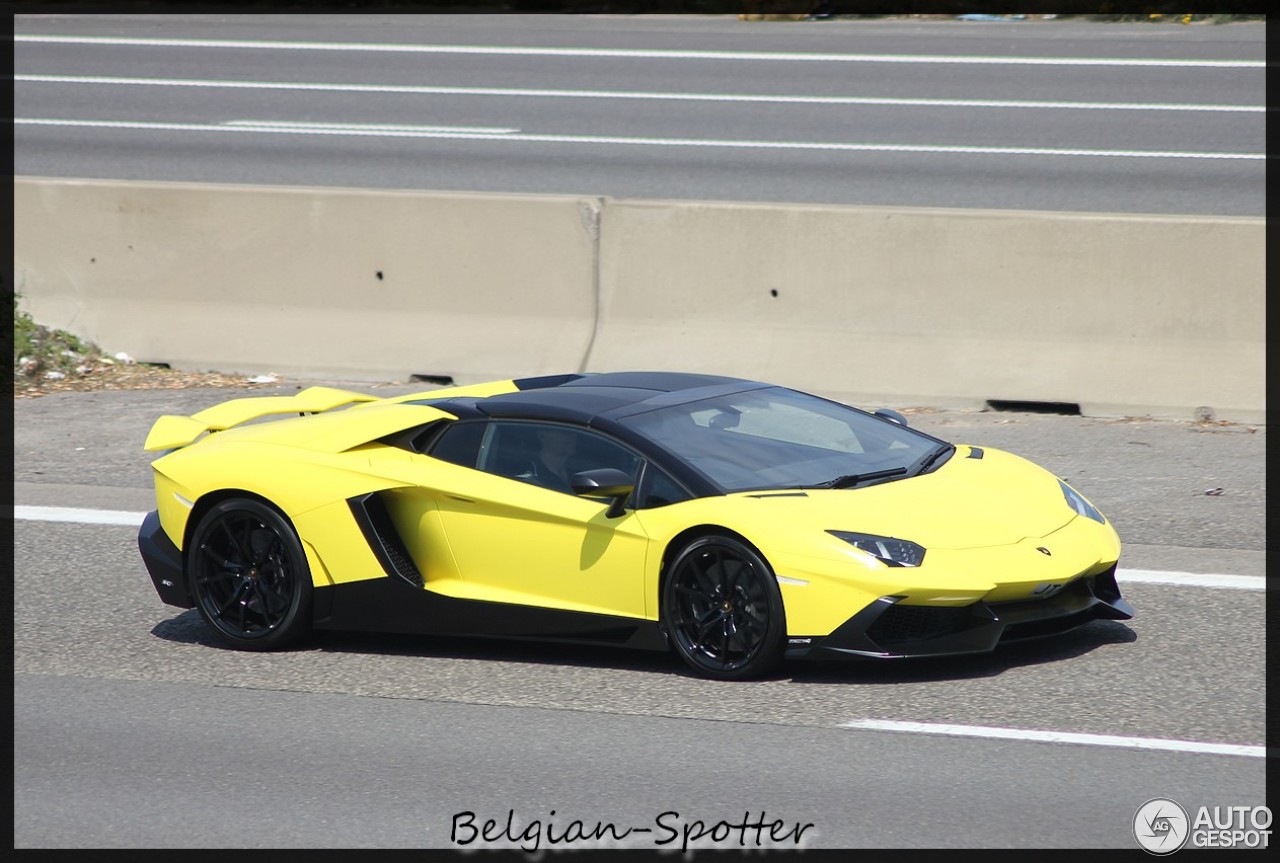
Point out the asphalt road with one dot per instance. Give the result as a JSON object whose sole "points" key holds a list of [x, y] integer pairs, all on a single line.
{"points": [[134, 728], [1040, 115]]}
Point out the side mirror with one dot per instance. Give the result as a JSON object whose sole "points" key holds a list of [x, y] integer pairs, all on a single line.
{"points": [[605, 482], [892, 415], [726, 419]]}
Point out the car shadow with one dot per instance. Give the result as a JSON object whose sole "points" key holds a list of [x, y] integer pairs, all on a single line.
{"points": [[500, 650], [189, 628]]}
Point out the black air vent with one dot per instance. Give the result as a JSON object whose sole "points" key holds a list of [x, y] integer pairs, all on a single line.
{"points": [[375, 522], [907, 623], [545, 382]]}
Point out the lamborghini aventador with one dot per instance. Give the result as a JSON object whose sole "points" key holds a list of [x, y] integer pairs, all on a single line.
{"points": [[735, 522]]}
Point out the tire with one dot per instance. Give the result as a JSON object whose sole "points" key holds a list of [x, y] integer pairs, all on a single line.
{"points": [[249, 576], [722, 609]]}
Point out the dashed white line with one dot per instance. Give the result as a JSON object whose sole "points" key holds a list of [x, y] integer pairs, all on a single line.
{"points": [[279, 128], [371, 128], [410, 89], [1191, 579], [1057, 737], [77, 516]]}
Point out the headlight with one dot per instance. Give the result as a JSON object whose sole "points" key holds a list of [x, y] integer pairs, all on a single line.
{"points": [[1079, 504], [894, 552]]}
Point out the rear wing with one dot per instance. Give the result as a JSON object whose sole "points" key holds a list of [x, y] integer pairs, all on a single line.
{"points": [[172, 431]]}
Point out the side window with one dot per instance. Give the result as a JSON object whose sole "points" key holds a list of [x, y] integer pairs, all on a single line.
{"points": [[548, 455], [658, 489], [459, 444]]}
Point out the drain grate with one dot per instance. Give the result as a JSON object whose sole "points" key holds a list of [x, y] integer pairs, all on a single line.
{"points": [[442, 380], [1071, 409]]}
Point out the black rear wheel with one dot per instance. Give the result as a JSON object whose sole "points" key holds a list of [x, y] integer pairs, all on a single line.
{"points": [[249, 575], [722, 609]]}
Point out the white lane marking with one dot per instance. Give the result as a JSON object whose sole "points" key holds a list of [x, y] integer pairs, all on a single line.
{"points": [[1123, 576], [1057, 737], [1190, 579], [290, 125], [77, 516], [274, 127], [634, 94], [635, 53]]}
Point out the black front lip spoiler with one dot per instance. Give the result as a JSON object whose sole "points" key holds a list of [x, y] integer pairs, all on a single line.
{"points": [[886, 630], [164, 562]]}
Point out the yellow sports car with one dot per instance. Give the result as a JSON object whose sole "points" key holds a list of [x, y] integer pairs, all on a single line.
{"points": [[735, 522]]}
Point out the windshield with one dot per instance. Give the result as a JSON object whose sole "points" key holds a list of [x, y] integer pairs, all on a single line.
{"points": [[780, 438]]}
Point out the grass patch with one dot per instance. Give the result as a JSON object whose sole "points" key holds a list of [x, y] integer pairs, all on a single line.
{"points": [[43, 354], [47, 360]]}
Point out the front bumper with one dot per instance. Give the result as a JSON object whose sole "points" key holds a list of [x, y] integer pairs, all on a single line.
{"points": [[164, 562], [887, 630]]}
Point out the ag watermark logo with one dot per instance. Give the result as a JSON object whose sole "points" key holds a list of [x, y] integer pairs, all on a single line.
{"points": [[1162, 826]]}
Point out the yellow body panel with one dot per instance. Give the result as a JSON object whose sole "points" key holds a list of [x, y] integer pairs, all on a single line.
{"points": [[262, 459], [290, 488], [320, 576], [497, 539]]}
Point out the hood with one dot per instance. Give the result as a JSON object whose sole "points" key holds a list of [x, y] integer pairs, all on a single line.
{"points": [[998, 499]]}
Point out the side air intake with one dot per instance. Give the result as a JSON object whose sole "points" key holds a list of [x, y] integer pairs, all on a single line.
{"points": [[375, 522]]}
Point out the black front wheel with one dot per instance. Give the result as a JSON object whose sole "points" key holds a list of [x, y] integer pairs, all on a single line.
{"points": [[249, 575], [722, 609]]}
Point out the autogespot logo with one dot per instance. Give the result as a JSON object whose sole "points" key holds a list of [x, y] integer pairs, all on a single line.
{"points": [[1161, 826]]}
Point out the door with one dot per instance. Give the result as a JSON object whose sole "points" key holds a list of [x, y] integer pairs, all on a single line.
{"points": [[520, 534]]}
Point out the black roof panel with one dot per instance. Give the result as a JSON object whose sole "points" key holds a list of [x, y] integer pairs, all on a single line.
{"points": [[561, 403], [663, 382], [581, 399]]}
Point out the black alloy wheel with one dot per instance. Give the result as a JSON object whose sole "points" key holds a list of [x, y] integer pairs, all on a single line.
{"points": [[249, 575], [722, 609]]}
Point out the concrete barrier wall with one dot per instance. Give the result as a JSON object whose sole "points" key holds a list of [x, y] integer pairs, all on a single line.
{"points": [[1142, 315], [1119, 314], [324, 282]]}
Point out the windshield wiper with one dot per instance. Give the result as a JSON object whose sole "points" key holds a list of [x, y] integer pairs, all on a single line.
{"points": [[852, 479], [932, 457]]}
